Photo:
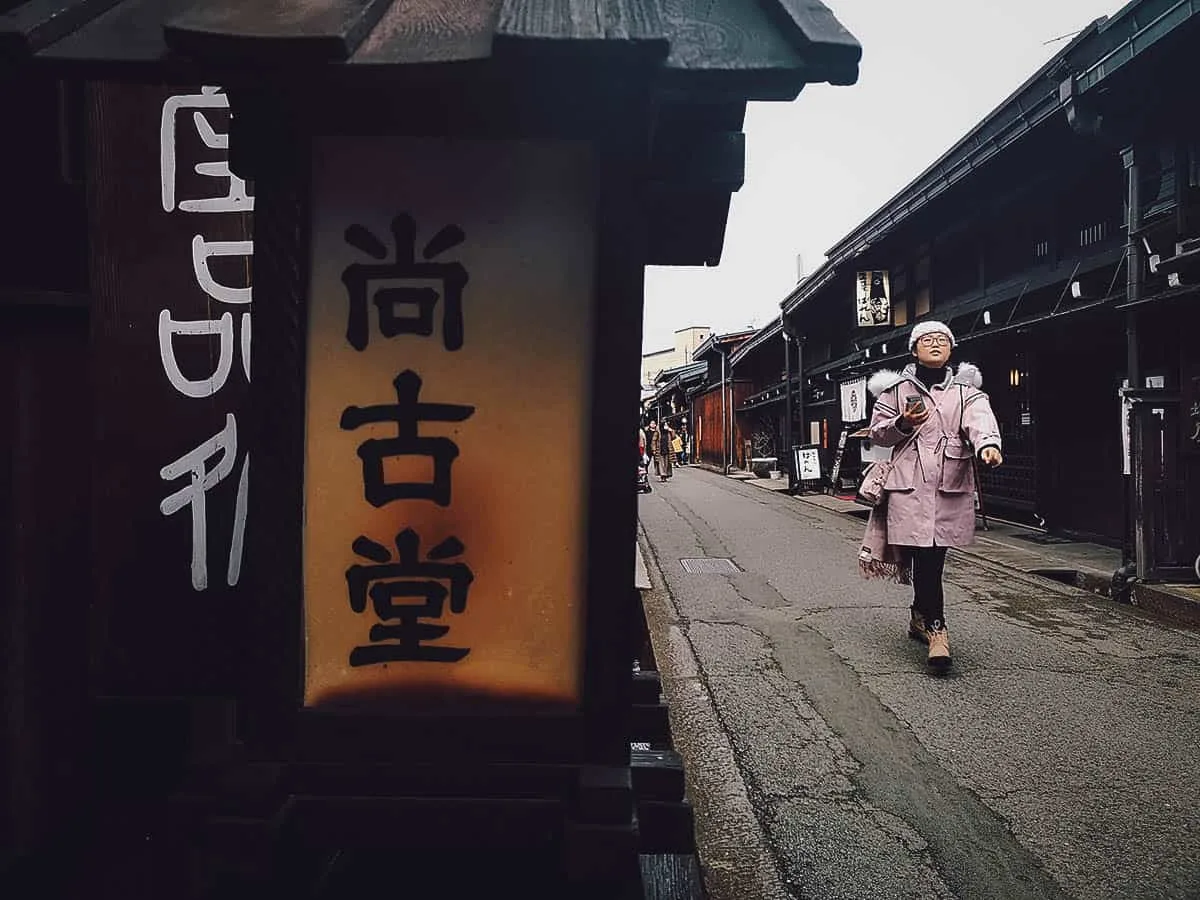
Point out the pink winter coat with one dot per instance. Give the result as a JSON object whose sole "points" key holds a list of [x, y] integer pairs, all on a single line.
{"points": [[931, 490]]}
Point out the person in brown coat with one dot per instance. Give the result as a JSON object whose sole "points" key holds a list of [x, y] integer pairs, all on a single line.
{"points": [[664, 452]]}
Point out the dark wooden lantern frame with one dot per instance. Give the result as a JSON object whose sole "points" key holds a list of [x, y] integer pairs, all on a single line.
{"points": [[609, 106]]}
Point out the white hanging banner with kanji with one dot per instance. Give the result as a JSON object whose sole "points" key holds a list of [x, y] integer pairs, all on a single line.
{"points": [[854, 400]]}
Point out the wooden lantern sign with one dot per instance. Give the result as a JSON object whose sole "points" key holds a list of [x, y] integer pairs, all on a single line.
{"points": [[454, 204]]}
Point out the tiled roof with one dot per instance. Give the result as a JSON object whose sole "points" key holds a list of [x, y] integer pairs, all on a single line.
{"points": [[765, 48], [764, 334], [696, 63], [720, 340]]}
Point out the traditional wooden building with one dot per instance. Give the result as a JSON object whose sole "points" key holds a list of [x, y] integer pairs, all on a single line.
{"points": [[669, 402], [717, 437], [762, 363], [1055, 239]]}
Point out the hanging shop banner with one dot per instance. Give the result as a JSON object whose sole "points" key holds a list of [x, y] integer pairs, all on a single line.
{"points": [[444, 546], [873, 299], [854, 400], [837, 461]]}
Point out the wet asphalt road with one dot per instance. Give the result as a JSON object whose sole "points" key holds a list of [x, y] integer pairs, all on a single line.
{"points": [[1060, 758]]}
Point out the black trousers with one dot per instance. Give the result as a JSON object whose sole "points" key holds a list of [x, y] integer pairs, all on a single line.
{"points": [[928, 597]]}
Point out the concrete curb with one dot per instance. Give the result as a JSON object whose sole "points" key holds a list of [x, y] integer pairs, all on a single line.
{"points": [[1175, 605], [736, 858]]}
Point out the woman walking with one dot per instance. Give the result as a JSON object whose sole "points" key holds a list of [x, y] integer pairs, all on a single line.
{"points": [[663, 450], [935, 418], [652, 442]]}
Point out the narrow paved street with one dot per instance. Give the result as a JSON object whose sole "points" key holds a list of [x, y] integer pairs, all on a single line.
{"points": [[1060, 758]]}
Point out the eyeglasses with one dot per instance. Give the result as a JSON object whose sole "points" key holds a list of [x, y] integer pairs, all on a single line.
{"points": [[934, 340]]}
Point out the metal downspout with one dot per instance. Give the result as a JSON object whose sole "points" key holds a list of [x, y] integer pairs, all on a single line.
{"points": [[1131, 557], [787, 410]]}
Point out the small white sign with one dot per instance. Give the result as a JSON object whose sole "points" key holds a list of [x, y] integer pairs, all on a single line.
{"points": [[808, 464]]}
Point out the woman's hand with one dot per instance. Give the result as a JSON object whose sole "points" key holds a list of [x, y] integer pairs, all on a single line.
{"points": [[991, 457], [914, 416]]}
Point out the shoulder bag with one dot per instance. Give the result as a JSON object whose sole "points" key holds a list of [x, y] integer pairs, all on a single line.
{"points": [[871, 492]]}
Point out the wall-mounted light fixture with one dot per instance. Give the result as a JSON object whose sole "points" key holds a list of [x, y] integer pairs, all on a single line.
{"points": [[987, 317]]}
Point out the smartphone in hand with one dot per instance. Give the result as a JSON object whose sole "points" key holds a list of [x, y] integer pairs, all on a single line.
{"points": [[914, 404]]}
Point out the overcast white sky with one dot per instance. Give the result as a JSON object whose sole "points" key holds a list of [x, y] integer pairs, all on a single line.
{"points": [[817, 167]]}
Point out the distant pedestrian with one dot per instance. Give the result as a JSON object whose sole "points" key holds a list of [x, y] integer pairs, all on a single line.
{"points": [[652, 442], [935, 419], [664, 450]]}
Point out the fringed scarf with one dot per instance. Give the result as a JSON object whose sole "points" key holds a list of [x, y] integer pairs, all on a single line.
{"points": [[878, 558]]}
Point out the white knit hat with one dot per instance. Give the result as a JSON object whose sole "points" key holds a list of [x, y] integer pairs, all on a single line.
{"points": [[930, 327]]}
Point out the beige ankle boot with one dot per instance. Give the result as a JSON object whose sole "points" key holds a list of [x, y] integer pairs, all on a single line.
{"points": [[939, 646]]}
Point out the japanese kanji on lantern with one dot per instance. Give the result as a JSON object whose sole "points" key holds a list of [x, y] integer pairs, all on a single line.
{"points": [[447, 422]]}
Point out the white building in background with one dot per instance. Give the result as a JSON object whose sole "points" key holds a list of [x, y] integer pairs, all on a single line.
{"points": [[686, 342]]}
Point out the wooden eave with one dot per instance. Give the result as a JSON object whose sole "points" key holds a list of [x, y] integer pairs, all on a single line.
{"points": [[759, 339], [721, 344], [701, 60], [1133, 31], [1034, 103], [741, 47]]}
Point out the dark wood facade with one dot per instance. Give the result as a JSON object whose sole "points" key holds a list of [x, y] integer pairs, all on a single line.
{"points": [[45, 456], [717, 437], [760, 416], [715, 445]]}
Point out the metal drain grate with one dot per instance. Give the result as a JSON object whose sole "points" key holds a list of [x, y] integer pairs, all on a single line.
{"points": [[1043, 539], [710, 565]]}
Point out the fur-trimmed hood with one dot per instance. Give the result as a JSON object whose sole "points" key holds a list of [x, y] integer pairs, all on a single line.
{"points": [[885, 379]]}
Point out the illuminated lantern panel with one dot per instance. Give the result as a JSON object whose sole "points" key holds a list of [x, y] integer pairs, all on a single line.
{"points": [[448, 386]]}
